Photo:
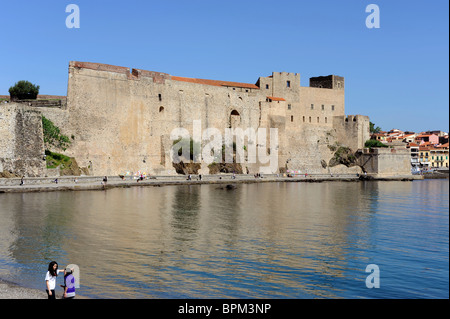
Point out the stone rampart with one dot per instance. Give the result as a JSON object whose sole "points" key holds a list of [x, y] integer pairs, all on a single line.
{"points": [[120, 119], [21, 140]]}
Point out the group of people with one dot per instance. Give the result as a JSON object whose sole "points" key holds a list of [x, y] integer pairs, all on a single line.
{"points": [[50, 281]]}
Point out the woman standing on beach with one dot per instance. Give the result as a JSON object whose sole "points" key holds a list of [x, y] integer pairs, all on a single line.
{"points": [[50, 279]]}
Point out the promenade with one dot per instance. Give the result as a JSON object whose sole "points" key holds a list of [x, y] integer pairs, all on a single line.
{"points": [[76, 183]]}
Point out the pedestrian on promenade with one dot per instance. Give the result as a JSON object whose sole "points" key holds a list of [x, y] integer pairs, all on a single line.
{"points": [[69, 284], [50, 279]]}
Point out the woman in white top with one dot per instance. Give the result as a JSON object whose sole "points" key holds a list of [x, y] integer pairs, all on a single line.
{"points": [[50, 279]]}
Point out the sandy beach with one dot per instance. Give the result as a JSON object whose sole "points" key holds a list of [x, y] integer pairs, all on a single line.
{"points": [[12, 291]]}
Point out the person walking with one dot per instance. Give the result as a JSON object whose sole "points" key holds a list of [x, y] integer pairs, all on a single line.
{"points": [[50, 279]]}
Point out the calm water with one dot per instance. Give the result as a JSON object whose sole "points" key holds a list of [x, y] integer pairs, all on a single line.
{"points": [[269, 240]]}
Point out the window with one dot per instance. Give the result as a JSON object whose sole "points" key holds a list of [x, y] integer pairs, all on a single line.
{"points": [[317, 119], [160, 97], [267, 86], [332, 107], [161, 109], [326, 120], [303, 119], [323, 107], [312, 106], [288, 84], [292, 118], [310, 119], [289, 106]]}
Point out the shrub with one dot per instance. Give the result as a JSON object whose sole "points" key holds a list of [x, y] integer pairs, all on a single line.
{"points": [[53, 136], [24, 90], [374, 143]]}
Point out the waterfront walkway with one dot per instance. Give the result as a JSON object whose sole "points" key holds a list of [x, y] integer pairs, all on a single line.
{"points": [[73, 183]]}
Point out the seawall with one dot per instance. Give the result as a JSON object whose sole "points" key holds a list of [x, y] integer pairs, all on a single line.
{"points": [[76, 183]]}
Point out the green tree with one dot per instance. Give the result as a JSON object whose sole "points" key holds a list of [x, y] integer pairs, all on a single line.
{"points": [[23, 90], [374, 143], [374, 129]]}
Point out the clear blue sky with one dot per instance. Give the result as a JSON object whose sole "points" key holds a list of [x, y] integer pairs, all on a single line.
{"points": [[398, 74]]}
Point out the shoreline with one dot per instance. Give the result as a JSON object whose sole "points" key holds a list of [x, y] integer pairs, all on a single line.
{"points": [[78, 183], [12, 290]]}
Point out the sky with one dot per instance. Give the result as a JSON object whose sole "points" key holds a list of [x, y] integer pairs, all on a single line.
{"points": [[397, 74]]}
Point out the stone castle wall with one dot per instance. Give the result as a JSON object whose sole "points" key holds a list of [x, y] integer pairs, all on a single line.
{"points": [[21, 140], [121, 119]]}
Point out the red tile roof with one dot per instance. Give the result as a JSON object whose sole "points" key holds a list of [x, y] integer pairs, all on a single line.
{"points": [[273, 98], [215, 82]]}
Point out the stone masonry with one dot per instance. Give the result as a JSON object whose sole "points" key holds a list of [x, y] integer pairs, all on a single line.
{"points": [[120, 120]]}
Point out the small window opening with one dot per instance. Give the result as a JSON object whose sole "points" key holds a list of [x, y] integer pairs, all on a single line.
{"points": [[160, 97], [288, 84], [292, 118]]}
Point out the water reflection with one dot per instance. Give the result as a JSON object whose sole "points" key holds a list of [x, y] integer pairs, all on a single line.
{"points": [[268, 240]]}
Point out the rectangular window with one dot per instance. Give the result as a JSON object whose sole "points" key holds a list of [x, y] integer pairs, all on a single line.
{"points": [[312, 106], [289, 106], [332, 107], [288, 84], [267, 86], [317, 119], [160, 97], [323, 107], [292, 118], [326, 120], [310, 119], [303, 119]]}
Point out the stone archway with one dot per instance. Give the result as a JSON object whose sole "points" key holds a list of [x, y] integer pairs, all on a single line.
{"points": [[235, 119]]}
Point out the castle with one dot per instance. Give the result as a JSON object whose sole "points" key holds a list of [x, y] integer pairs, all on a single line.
{"points": [[120, 120]]}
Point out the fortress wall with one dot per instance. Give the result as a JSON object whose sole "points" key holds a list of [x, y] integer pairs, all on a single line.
{"points": [[124, 124], [352, 131], [383, 162], [318, 97], [122, 120], [21, 140]]}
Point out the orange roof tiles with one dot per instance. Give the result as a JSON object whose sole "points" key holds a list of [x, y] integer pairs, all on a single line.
{"points": [[273, 98], [215, 82]]}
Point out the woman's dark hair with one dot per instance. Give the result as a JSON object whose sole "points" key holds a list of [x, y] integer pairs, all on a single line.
{"points": [[53, 272]]}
